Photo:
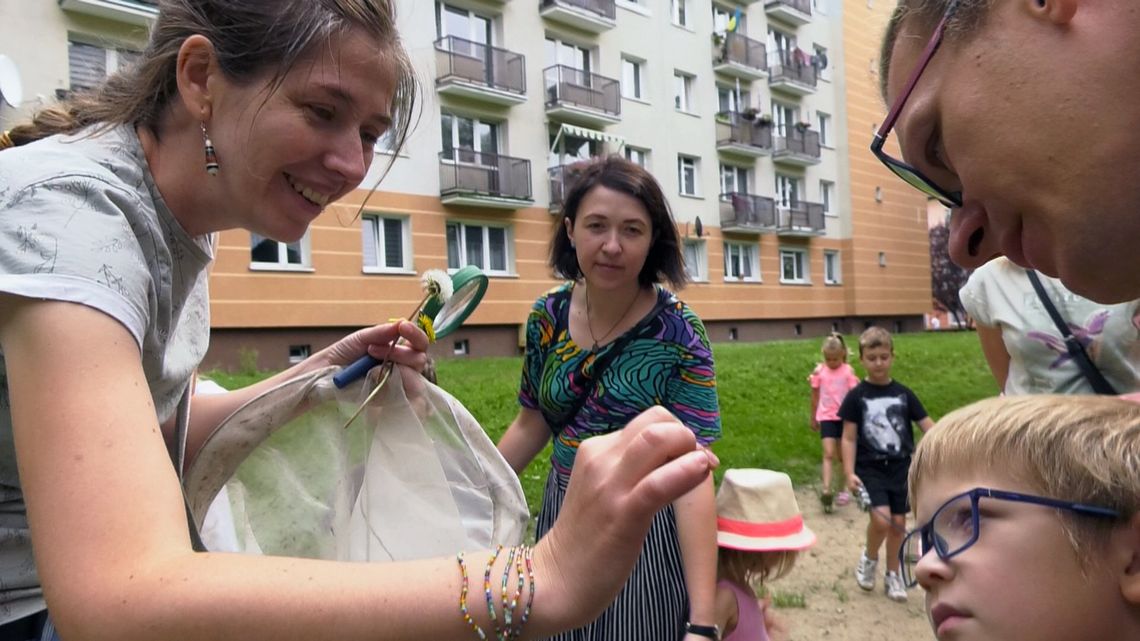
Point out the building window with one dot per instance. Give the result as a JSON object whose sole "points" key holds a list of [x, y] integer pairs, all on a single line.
{"points": [[89, 65], [696, 260], [824, 123], [298, 353], [637, 156], [485, 246], [781, 47], [722, 19], [680, 12], [683, 92], [821, 63], [733, 179], [787, 191], [267, 253], [827, 196], [793, 266], [687, 175], [385, 243], [465, 25], [731, 99], [461, 347], [568, 54], [831, 273], [631, 76], [470, 139], [784, 117], [741, 261]]}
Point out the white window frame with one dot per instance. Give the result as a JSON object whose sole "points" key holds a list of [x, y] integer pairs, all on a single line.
{"points": [[784, 117], [801, 266], [789, 190], [680, 12], [370, 223], [722, 14], [633, 78], [476, 140], [471, 35], [114, 58], [698, 267], [683, 91], [727, 96], [733, 252], [282, 263], [463, 228], [636, 155], [827, 197], [832, 268], [733, 174], [823, 124], [691, 164]]}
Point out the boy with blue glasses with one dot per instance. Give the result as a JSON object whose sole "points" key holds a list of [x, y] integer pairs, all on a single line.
{"points": [[1028, 520]]}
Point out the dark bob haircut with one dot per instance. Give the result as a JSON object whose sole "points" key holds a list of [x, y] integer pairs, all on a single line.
{"points": [[664, 261]]}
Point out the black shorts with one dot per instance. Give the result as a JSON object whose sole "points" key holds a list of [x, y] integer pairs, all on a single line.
{"points": [[886, 482], [831, 429]]}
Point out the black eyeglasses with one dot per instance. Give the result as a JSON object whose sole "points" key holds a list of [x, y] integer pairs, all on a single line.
{"points": [[955, 525], [909, 174]]}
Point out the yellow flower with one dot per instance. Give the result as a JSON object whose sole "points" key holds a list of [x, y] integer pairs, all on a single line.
{"points": [[425, 323]]}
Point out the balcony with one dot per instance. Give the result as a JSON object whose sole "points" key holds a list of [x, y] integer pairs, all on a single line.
{"points": [[800, 219], [793, 12], [594, 16], [581, 97], [799, 148], [136, 12], [476, 71], [793, 74], [476, 179], [739, 56], [740, 136], [748, 213]]}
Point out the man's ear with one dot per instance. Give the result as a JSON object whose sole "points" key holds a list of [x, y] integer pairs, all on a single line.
{"points": [[197, 63], [1126, 555], [1059, 12]]}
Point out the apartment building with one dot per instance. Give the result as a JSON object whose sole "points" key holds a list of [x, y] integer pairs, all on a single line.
{"points": [[755, 117]]}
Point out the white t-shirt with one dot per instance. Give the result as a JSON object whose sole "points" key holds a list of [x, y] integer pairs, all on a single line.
{"points": [[999, 294], [82, 221]]}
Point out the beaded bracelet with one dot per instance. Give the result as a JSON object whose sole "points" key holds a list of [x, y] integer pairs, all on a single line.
{"points": [[487, 586], [530, 597], [510, 610], [501, 633], [463, 600]]}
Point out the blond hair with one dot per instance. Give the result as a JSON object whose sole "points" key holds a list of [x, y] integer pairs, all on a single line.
{"points": [[1074, 448], [753, 568], [873, 337], [834, 344]]}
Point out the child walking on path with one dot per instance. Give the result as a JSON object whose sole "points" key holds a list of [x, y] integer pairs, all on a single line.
{"points": [[1006, 483], [830, 382], [878, 440], [760, 532]]}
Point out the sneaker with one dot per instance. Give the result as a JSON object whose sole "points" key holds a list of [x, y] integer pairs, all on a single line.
{"points": [[865, 572], [894, 587], [827, 499], [843, 498]]}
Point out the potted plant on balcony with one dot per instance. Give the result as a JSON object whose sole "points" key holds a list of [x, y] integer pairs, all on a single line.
{"points": [[724, 117], [750, 114], [763, 120], [803, 126]]}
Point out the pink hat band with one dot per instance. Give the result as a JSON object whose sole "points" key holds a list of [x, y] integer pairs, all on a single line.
{"points": [[787, 527]]}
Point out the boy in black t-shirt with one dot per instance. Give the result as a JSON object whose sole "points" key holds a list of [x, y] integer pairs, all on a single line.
{"points": [[878, 441]]}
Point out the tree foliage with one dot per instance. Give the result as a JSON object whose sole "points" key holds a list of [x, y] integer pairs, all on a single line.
{"points": [[946, 277]]}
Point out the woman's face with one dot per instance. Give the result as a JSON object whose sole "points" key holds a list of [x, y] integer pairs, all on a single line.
{"points": [[611, 233], [286, 155]]}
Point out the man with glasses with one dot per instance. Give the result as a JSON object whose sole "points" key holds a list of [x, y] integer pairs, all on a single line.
{"points": [[1024, 117], [1028, 526]]}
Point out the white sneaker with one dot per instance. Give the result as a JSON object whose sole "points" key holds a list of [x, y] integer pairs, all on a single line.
{"points": [[865, 571], [895, 589]]}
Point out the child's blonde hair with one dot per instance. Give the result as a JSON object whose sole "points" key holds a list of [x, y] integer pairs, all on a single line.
{"points": [[873, 337], [1075, 448], [753, 568], [834, 344]]}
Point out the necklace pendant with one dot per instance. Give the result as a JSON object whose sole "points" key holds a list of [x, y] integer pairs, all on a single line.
{"points": [[594, 348]]}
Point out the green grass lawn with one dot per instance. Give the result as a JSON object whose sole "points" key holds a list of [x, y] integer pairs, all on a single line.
{"points": [[764, 396]]}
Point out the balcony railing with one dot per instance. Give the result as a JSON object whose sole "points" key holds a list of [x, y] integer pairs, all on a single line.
{"points": [[746, 212], [464, 172], [800, 219], [738, 52], [604, 8], [492, 67], [792, 73], [561, 178], [798, 147], [569, 86], [796, 12], [736, 133]]}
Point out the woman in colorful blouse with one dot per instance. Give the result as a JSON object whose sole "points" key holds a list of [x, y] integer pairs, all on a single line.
{"points": [[603, 347]]}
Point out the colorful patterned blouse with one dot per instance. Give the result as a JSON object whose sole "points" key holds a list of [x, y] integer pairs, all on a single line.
{"points": [[667, 363]]}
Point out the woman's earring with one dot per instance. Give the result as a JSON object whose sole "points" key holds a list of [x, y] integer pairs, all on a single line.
{"points": [[572, 245], [211, 157]]}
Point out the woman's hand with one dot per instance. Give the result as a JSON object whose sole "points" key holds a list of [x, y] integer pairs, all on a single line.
{"points": [[619, 482], [375, 340]]}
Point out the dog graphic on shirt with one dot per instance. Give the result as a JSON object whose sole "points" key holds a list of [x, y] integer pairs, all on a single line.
{"points": [[884, 420]]}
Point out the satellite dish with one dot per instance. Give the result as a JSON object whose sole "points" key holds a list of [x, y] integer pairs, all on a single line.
{"points": [[699, 227], [10, 88], [821, 60]]}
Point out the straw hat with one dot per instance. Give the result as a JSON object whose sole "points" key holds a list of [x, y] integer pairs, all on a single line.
{"points": [[757, 511]]}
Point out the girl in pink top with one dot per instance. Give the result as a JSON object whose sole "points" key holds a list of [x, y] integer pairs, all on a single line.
{"points": [[759, 535], [830, 382]]}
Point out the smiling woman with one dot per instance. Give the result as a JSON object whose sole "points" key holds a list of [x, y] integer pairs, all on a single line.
{"points": [[256, 115]]}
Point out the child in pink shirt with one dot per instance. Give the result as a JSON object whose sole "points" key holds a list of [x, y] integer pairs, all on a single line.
{"points": [[830, 382]]}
